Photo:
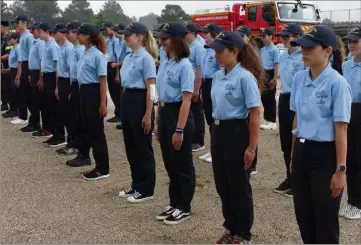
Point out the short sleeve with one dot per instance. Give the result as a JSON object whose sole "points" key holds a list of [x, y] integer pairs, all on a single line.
{"points": [[293, 93], [17, 52], [199, 53], [149, 70], [341, 102], [101, 65], [250, 91], [69, 56], [187, 78], [40, 49], [54, 53], [30, 42], [276, 56]]}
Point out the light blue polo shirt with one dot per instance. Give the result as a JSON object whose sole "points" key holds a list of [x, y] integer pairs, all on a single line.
{"points": [[290, 64], [162, 54], [173, 78], [14, 55], [36, 53], [209, 65], [64, 63], [349, 56], [51, 53], [26, 41], [233, 94], [92, 66], [352, 72], [112, 47], [76, 55], [137, 68], [270, 56], [122, 50], [319, 104], [195, 57], [201, 40]]}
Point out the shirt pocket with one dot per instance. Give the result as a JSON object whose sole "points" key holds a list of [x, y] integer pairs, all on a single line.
{"points": [[172, 78]]}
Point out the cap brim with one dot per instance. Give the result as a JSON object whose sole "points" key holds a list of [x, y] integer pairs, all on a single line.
{"points": [[283, 33], [127, 32], [74, 31], [204, 30], [162, 35], [64, 30], [305, 41], [351, 37], [216, 45], [52, 30]]}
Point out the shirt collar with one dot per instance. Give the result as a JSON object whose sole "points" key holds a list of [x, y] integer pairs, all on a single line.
{"points": [[193, 43], [354, 63], [90, 49], [235, 69], [138, 52], [321, 79], [298, 50]]}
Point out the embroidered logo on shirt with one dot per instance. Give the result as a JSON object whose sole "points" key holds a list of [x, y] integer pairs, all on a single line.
{"points": [[296, 67], [270, 56], [169, 75], [229, 89], [321, 96], [210, 59]]}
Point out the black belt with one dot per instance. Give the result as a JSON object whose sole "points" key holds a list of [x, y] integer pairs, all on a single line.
{"points": [[313, 142], [172, 104], [230, 122], [134, 90], [90, 85], [64, 78]]}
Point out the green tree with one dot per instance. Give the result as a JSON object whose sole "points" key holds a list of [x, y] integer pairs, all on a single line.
{"points": [[5, 11], [112, 11], [17, 8], [99, 20], [172, 12], [78, 10], [150, 20]]}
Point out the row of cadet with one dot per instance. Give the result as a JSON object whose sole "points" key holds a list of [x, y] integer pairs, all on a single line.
{"points": [[228, 79]]}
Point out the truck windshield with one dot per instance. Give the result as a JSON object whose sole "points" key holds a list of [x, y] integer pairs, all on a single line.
{"points": [[306, 13]]}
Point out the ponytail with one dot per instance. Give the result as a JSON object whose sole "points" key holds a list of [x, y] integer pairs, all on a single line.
{"points": [[337, 61], [99, 42], [341, 48], [150, 45], [249, 59]]}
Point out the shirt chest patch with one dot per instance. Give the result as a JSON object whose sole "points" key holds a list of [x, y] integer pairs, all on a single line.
{"points": [[321, 97], [229, 88]]}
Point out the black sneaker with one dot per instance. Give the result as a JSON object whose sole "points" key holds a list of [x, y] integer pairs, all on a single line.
{"points": [[197, 147], [283, 187], [127, 193], [114, 120], [46, 142], [78, 161], [119, 126], [41, 134], [4, 107], [67, 151], [138, 198], [95, 175], [167, 212], [177, 217], [288, 193], [56, 143], [30, 129], [10, 114]]}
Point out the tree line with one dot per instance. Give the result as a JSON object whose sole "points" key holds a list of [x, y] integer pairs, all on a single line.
{"points": [[80, 10]]}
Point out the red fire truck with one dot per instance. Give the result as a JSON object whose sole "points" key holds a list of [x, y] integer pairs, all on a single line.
{"points": [[260, 14]]}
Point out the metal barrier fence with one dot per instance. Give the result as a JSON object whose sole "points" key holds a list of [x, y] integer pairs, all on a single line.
{"points": [[345, 15]]}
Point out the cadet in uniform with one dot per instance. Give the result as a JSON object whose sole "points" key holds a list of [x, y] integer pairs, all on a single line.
{"points": [[200, 39], [6, 84], [290, 63], [92, 72], [321, 100], [270, 59], [233, 141], [352, 72], [209, 67], [138, 76], [113, 73], [195, 58], [48, 66], [174, 123], [246, 34], [25, 100]]}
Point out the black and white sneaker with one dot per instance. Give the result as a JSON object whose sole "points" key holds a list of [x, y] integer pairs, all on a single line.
{"points": [[138, 198], [177, 217], [67, 151], [95, 175], [167, 212], [197, 147], [283, 187], [56, 143], [288, 193], [41, 134], [127, 193]]}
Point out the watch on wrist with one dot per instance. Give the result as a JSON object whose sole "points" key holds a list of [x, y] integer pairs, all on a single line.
{"points": [[341, 167]]}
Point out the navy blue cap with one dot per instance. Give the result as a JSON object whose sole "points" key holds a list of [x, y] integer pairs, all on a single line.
{"points": [[119, 27], [244, 30], [172, 29], [226, 39], [317, 35], [57, 28], [36, 25], [87, 29], [45, 26], [353, 35], [159, 28], [193, 28], [107, 24], [211, 27], [21, 17], [266, 32], [71, 26], [13, 35], [135, 28], [290, 29]]}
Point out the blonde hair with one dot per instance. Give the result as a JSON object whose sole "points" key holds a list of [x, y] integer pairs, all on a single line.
{"points": [[341, 48], [150, 45]]}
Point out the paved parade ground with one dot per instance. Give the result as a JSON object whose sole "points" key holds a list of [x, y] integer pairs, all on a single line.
{"points": [[44, 201]]}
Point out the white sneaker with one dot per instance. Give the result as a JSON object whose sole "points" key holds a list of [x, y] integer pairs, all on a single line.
{"points": [[272, 126], [264, 126], [353, 214], [254, 172], [205, 156], [19, 122], [209, 159], [344, 210], [138, 198]]}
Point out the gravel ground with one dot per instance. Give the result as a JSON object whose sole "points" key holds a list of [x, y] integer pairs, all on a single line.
{"points": [[44, 201]]}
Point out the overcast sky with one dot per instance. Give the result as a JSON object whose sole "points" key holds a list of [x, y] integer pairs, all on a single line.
{"points": [[141, 8]]}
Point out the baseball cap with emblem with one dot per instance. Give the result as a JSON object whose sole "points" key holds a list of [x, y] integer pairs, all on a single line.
{"points": [[290, 29], [87, 29], [193, 28], [159, 28], [20, 18], [226, 39], [244, 30], [35, 26], [172, 29], [135, 28], [13, 35], [71, 26], [57, 28], [119, 27], [353, 35], [107, 24], [211, 27], [45, 27], [317, 35], [266, 32]]}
